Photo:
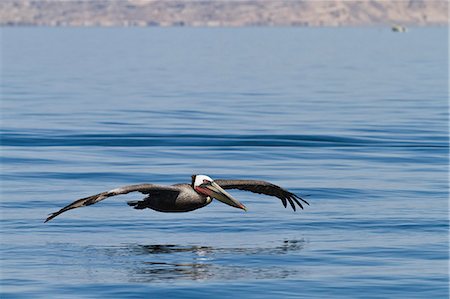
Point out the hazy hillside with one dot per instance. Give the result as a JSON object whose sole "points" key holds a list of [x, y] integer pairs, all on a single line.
{"points": [[222, 13]]}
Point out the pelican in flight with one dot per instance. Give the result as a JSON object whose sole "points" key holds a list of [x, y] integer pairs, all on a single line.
{"points": [[189, 197]]}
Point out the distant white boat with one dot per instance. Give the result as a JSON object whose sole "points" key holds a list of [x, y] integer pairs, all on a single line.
{"points": [[399, 28]]}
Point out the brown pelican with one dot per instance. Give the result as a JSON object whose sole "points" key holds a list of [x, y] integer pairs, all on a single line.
{"points": [[189, 197]]}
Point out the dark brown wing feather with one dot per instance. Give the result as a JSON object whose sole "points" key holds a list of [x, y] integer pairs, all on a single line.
{"points": [[87, 201], [263, 187]]}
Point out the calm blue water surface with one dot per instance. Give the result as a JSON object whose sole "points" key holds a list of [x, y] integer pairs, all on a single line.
{"points": [[355, 120]]}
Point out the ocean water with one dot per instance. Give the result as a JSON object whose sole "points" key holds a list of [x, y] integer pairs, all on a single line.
{"points": [[354, 120]]}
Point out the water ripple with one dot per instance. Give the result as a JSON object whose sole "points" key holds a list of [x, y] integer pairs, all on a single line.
{"points": [[215, 140]]}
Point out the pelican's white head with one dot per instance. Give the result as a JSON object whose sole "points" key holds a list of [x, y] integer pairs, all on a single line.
{"points": [[206, 186], [199, 179]]}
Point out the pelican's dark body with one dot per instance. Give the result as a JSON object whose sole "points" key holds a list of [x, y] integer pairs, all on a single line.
{"points": [[185, 200], [188, 197]]}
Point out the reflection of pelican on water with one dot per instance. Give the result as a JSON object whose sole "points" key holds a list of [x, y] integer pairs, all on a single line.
{"points": [[286, 246], [162, 263]]}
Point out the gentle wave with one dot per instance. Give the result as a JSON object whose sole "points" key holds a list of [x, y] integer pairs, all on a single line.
{"points": [[146, 140]]}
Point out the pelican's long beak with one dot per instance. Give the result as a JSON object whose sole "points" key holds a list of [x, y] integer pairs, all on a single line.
{"points": [[218, 193]]}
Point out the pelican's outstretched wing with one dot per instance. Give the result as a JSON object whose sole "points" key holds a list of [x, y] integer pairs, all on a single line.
{"points": [[263, 187], [143, 188]]}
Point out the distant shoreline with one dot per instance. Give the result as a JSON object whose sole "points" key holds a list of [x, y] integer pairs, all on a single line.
{"points": [[383, 26], [224, 13]]}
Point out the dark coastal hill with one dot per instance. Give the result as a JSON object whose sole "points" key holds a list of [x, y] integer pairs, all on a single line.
{"points": [[222, 13]]}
